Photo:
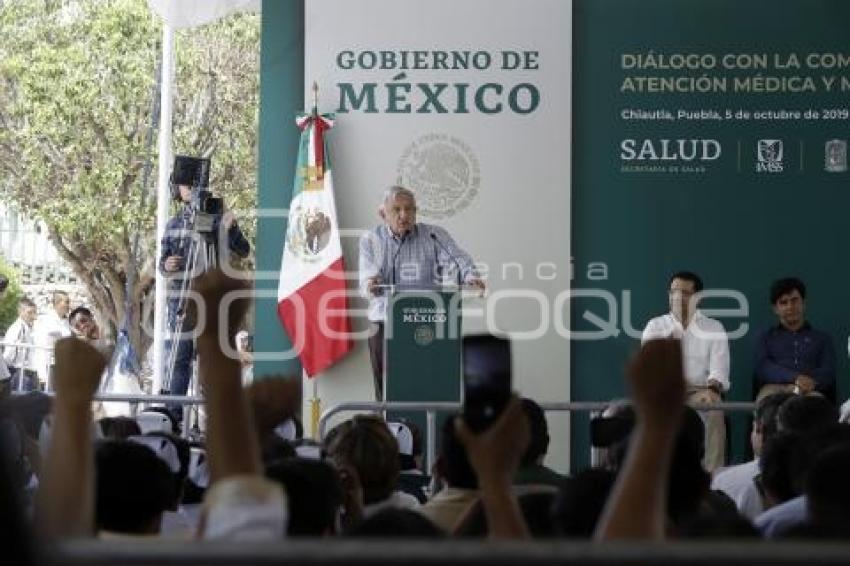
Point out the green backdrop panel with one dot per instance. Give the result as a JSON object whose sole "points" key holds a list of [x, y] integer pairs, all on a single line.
{"points": [[281, 98], [734, 206]]}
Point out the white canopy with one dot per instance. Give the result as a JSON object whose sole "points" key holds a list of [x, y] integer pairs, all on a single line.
{"points": [[190, 13]]}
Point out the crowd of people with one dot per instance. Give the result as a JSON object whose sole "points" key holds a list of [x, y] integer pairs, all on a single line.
{"points": [[253, 475], [256, 478], [27, 361], [791, 356]]}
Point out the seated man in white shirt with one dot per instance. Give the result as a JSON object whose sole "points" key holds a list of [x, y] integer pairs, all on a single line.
{"points": [[705, 349]]}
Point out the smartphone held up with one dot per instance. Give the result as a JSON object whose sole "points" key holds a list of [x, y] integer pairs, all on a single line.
{"points": [[487, 382]]}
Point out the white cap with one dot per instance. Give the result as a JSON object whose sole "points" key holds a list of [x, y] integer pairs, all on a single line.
{"points": [[154, 421], [403, 436], [287, 430], [199, 470], [309, 451], [845, 412]]}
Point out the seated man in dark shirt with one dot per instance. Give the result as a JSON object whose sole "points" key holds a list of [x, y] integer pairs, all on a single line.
{"points": [[531, 469], [793, 356]]}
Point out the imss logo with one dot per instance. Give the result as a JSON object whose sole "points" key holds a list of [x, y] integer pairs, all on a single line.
{"points": [[769, 156], [835, 156]]}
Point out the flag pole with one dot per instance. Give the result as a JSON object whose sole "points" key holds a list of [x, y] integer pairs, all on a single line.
{"points": [[315, 411], [315, 402]]}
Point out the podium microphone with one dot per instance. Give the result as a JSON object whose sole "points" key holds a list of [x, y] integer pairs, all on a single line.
{"points": [[451, 256], [395, 257]]}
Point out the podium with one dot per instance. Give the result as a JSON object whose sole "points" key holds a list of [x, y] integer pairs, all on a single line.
{"points": [[422, 345], [422, 352]]}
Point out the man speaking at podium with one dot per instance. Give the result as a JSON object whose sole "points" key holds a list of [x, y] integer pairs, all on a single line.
{"points": [[408, 254]]}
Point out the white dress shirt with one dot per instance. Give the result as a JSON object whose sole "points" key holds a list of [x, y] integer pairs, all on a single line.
{"points": [[738, 482], [19, 333], [47, 330], [425, 258], [396, 500], [705, 348]]}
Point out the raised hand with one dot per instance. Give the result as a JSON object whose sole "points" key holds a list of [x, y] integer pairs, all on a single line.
{"points": [[658, 384], [495, 453], [273, 400], [637, 505], [173, 263], [66, 494], [212, 289], [232, 444], [79, 367]]}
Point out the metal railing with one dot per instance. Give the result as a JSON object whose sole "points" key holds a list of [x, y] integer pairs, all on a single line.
{"points": [[28, 365], [431, 410], [145, 399], [186, 401]]}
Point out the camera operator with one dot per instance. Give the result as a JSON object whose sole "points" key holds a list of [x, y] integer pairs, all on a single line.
{"points": [[198, 227]]}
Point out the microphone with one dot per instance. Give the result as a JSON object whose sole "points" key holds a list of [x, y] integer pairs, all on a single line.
{"points": [[395, 257], [450, 254]]}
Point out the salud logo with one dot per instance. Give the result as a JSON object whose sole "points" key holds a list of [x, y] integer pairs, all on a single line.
{"points": [[681, 150], [835, 156], [769, 156], [443, 172], [669, 155]]}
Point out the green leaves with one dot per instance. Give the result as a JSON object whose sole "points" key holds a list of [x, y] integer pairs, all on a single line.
{"points": [[9, 299], [78, 78], [77, 83]]}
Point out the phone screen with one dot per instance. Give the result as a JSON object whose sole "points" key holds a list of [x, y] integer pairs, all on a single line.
{"points": [[486, 379]]}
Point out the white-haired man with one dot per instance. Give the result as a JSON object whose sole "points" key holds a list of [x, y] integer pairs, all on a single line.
{"points": [[407, 254]]}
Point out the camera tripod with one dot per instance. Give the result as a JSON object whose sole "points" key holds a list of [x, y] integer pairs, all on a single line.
{"points": [[201, 256]]}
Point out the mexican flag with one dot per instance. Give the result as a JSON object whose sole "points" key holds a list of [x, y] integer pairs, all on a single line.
{"points": [[311, 300]]}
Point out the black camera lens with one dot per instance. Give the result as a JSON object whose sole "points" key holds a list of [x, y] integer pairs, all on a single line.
{"points": [[212, 205]]}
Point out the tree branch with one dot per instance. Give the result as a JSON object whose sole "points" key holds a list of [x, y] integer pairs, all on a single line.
{"points": [[49, 151], [116, 286], [98, 129], [83, 270]]}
